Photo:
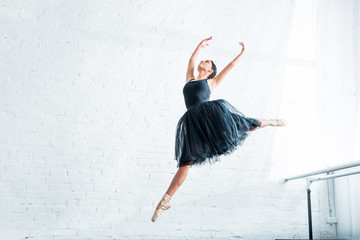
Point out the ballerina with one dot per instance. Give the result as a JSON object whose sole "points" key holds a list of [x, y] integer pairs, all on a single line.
{"points": [[208, 129]]}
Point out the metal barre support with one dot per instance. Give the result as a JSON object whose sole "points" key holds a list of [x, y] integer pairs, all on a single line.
{"points": [[309, 213]]}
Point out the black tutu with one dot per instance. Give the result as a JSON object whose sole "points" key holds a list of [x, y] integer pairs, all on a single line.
{"points": [[209, 129]]}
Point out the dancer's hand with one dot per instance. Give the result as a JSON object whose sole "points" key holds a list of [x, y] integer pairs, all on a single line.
{"points": [[243, 47], [204, 42], [193, 57]]}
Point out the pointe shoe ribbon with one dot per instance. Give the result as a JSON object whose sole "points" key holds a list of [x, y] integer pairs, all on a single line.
{"points": [[164, 205], [278, 122]]}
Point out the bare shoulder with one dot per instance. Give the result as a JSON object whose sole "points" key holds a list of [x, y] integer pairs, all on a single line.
{"points": [[212, 84], [211, 81]]}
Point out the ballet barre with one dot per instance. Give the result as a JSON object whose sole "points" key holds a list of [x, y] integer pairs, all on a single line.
{"points": [[310, 180], [327, 170]]}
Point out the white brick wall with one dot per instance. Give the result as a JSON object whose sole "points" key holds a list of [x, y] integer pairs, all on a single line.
{"points": [[90, 95]]}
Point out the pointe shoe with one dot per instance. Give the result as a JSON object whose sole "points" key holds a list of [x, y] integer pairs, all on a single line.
{"points": [[163, 206], [278, 122]]}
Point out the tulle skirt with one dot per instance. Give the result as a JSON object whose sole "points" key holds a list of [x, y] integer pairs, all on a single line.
{"points": [[208, 130]]}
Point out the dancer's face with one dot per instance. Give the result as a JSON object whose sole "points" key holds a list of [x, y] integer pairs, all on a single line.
{"points": [[205, 65]]}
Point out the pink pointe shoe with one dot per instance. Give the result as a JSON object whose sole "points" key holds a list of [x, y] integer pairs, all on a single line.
{"points": [[164, 205], [278, 122]]}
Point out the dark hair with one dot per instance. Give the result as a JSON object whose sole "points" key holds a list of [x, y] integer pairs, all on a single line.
{"points": [[214, 72]]}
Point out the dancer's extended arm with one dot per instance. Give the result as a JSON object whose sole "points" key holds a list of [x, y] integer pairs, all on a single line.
{"points": [[225, 71], [191, 65]]}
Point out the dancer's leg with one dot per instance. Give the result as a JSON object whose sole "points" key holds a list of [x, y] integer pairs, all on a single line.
{"points": [[266, 122], [178, 180]]}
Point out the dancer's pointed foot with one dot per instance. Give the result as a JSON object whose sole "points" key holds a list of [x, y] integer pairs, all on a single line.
{"points": [[164, 204], [277, 122]]}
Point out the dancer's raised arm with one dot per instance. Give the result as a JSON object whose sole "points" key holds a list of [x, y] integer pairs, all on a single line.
{"points": [[225, 71], [191, 65]]}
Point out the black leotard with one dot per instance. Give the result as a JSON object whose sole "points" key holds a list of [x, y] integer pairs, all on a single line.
{"points": [[196, 91]]}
